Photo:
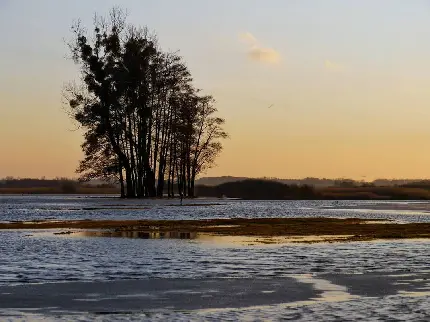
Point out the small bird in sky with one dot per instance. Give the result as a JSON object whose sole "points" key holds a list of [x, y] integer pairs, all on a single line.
{"points": [[271, 105]]}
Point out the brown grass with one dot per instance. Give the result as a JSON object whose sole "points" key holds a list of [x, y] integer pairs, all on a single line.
{"points": [[358, 228], [374, 193]]}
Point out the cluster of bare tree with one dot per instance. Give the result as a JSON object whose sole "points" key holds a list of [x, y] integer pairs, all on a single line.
{"points": [[145, 123]]}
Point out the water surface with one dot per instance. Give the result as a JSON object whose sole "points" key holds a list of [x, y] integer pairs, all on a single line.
{"points": [[59, 207], [326, 276]]}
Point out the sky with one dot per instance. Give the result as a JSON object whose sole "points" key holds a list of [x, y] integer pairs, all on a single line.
{"points": [[349, 82]]}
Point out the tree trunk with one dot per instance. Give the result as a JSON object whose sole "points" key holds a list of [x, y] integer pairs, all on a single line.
{"points": [[129, 183], [121, 180], [160, 184], [192, 184]]}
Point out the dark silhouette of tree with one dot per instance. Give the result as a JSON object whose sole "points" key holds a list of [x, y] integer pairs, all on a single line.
{"points": [[143, 119]]}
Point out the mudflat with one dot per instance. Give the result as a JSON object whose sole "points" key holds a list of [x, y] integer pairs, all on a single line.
{"points": [[356, 229]]}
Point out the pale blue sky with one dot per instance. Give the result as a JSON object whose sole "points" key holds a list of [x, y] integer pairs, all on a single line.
{"points": [[349, 78]]}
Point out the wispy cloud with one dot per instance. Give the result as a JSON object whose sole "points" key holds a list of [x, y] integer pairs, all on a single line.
{"points": [[248, 38], [258, 53], [334, 67]]}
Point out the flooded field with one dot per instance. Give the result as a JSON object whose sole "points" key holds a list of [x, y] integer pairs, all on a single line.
{"points": [[41, 207], [51, 275]]}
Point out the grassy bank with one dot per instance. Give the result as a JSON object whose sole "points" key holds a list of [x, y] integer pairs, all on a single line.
{"points": [[357, 229], [374, 193]]}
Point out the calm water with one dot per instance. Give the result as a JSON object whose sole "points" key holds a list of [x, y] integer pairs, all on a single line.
{"points": [[29, 257], [81, 207]]}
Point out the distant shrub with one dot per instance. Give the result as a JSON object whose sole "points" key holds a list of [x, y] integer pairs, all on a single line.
{"points": [[68, 187], [254, 189]]}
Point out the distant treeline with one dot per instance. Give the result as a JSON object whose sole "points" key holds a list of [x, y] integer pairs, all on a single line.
{"points": [[422, 184], [253, 189], [259, 189], [321, 182]]}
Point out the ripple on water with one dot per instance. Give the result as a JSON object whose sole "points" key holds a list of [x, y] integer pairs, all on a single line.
{"points": [[49, 259], [27, 208]]}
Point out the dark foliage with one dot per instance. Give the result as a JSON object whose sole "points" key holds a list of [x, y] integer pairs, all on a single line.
{"points": [[255, 189], [145, 123]]}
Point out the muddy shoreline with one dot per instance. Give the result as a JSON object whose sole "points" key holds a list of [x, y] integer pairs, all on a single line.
{"points": [[356, 229]]}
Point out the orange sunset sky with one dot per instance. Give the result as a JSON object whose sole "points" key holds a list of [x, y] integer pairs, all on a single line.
{"points": [[349, 80]]}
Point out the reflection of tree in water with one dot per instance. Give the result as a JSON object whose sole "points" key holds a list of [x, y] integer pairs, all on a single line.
{"points": [[162, 235], [143, 234]]}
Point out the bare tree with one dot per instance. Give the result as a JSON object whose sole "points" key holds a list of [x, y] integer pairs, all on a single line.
{"points": [[144, 121]]}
